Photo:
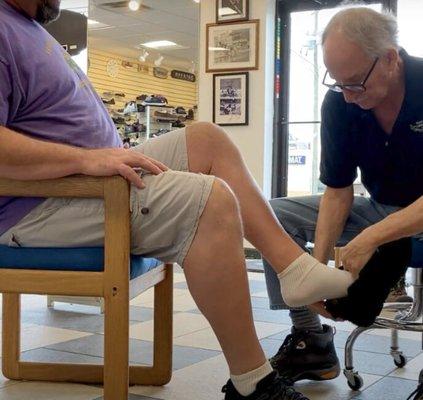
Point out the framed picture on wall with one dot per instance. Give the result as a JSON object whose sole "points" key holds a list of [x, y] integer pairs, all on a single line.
{"points": [[232, 46], [230, 98], [231, 10]]}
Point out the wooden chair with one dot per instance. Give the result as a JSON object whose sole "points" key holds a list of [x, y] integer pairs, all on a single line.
{"points": [[112, 283]]}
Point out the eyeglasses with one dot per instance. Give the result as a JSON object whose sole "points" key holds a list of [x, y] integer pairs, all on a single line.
{"points": [[355, 87]]}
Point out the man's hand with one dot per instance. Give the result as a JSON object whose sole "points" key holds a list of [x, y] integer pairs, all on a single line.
{"points": [[319, 308], [355, 255], [108, 162]]}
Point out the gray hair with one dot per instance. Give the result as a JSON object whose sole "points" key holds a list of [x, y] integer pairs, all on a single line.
{"points": [[374, 32]]}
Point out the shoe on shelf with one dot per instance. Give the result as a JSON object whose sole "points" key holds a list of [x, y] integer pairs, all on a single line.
{"points": [[138, 127], [178, 124], [108, 102], [118, 120], [165, 115], [271, 387], [190, 114], [307, 355], [113, 94], [130, 107], [180, 111], [142, 97], [155, 100], [129, 129]]}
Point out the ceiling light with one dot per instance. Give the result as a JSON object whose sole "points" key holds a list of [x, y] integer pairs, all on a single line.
{"points": [[159, 61], [92, 22], [159, 43], [134, 5]]}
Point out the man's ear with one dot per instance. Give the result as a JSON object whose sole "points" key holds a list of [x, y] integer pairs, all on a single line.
{"points": [[391, 58]]}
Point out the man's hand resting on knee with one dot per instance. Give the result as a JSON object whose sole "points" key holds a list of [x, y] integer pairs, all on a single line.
{"points": [[108, 162]]}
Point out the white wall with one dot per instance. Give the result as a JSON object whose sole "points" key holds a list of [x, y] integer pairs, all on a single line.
{"points": [[254, 140]]}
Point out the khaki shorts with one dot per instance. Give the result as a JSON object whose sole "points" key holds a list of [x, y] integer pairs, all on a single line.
{"points": [[164, 215]]}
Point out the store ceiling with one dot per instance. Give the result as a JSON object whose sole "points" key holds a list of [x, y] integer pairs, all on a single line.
{"points": [[174, 20]]}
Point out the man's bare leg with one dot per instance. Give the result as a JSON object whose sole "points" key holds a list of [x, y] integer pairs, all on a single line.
{"points": [[210, 151], [219, 286], [303, 279]]}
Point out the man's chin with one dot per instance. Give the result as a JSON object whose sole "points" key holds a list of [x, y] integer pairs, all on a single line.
{"points": [[364, 105]]}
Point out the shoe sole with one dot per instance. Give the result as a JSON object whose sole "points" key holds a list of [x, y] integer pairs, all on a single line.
{"points": [[319, 374]]}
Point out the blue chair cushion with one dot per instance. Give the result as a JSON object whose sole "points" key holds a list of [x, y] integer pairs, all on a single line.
{"points": [[417, 253], [67, 259]]}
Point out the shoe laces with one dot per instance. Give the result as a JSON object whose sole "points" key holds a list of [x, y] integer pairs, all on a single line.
{"points": [[280, 389], [288, 346]]}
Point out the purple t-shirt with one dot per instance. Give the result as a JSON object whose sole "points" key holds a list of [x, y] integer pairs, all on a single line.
{"points": [[44, 94]]}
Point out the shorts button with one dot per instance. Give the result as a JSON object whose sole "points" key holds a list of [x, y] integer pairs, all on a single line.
{"points": [[145, 210]]}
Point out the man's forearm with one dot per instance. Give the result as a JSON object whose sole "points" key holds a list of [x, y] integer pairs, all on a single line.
{"points": [[335, 207], [22, 157], [403, 223]]}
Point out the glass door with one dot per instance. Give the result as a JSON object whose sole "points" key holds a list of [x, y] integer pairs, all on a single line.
{"points": [[299, 95], [306, 94]]}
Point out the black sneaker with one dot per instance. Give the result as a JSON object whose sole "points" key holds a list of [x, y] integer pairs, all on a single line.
{"points": [[307, 355], [271, 387]]}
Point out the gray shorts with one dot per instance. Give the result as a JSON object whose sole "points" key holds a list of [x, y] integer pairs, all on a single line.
{"points": [[164, 215]]}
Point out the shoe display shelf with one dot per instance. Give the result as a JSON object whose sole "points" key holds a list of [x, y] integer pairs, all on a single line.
{"points": [[153, 126]]}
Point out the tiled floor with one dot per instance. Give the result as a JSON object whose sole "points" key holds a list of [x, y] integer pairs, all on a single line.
{"points": [[75, 333]]}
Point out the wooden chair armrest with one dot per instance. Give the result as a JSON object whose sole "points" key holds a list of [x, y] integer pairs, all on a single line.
{"points": [[72, 186], [115, 191]]}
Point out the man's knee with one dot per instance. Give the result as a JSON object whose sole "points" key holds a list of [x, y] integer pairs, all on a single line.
{"points": [[210, 134], [223, 205]]}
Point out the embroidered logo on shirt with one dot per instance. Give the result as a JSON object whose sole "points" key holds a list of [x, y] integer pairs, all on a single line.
{"points": [[417, 127]]}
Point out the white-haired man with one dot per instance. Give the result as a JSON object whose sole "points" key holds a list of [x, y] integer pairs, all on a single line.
{"points": [[372, 118], [194, 201]]}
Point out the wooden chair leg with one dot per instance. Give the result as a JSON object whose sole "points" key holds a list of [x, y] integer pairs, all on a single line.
{"points": [[116, 347], [161, 371], [116, 290], [163, 327], [11, 326]]}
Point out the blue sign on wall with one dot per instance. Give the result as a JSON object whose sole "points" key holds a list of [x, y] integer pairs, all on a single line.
{"points": [[297, 160]]}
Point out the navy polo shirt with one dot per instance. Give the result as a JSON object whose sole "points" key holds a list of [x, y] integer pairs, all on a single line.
{"points": [[391, 165]]}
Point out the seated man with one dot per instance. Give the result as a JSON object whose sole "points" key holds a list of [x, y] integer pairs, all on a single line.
{"points": [[193, 199], [372, 119]]}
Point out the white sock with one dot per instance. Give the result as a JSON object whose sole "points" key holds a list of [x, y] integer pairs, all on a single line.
{"points": [[307, 281], [246, 383]]}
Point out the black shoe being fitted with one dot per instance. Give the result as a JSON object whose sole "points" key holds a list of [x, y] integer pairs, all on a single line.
{"points": [[367, 294], [307, 355], [271, 387]]}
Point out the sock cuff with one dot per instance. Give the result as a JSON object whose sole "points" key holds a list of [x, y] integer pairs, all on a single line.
{"points": [[246, 383], [298, 267]]}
